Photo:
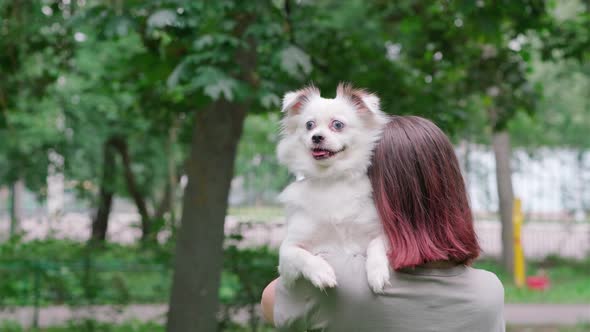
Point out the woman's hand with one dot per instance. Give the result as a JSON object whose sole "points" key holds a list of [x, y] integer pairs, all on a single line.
{"points": [[268, 301]]}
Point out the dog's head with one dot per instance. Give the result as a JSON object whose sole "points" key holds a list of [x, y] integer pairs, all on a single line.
{"points": [[329, 137]]}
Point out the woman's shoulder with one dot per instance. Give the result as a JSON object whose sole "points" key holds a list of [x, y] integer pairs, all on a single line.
{"points": [[487, 278], [486, 285], [462, 283]]}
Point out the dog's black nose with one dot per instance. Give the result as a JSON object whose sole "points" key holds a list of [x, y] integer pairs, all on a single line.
{"points": [[317, 138]]}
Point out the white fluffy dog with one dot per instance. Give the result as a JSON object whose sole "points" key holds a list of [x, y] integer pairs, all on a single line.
{"points": [[327, 144]]}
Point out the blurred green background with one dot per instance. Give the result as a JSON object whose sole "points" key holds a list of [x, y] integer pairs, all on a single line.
{"points": [[137, 139]]}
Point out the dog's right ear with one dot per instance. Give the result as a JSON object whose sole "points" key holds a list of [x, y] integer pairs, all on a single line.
{"points": [[294, 101]]}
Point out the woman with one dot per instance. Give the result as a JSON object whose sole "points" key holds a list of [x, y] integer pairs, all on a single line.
{"points": [[421, 199]]}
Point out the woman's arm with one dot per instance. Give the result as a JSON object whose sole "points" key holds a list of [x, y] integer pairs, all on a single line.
{"points": [[268, 302], [295, 308], [302, 306]]}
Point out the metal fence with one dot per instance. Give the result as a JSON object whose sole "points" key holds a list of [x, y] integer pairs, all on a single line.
{"points": [[553, 183]]}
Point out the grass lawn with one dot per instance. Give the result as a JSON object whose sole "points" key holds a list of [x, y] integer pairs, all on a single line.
{"points": [[570, 281], [88, 326], [92, 326]]}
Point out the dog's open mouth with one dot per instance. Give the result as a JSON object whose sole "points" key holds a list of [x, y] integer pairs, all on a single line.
{"points": [[321, 154]]}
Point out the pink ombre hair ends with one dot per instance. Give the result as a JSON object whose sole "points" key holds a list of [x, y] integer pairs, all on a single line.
{"points": [[420, 195]]}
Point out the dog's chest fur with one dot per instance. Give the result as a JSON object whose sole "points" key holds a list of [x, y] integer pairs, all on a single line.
{"points": [[333, 213]]}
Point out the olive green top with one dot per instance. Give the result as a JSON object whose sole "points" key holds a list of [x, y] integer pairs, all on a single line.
{"points": [[459, 298]]}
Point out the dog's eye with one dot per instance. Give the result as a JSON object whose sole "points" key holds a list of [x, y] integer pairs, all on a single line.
{"points": [[337, 125], [309, 125]]}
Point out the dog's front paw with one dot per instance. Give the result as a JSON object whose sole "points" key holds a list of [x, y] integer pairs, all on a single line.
{"points": [[320, 273], [378, 276]]}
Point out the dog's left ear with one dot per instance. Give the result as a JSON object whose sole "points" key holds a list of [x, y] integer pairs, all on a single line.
{"points": [[364, 101]]}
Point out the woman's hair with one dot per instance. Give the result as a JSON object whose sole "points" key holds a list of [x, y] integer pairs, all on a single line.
{"points": [[420, 195]]}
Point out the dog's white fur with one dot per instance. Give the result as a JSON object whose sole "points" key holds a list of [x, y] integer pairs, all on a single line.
{"points": [[330, 208]]}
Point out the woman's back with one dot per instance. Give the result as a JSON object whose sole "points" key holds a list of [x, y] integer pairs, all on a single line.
{"points": [[459, 298]]}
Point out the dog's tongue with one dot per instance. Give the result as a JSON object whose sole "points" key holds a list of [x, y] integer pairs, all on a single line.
{"points": [[319, 153]]}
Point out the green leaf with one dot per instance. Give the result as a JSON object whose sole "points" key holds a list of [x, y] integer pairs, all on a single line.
{"points": [[295, 62], [162, 18]]}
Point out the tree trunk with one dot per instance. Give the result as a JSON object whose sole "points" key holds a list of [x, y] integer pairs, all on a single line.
{"points": [[16, 201], [133, 189], [105, 200], [217, 129], [199, 249], [501, 145]]}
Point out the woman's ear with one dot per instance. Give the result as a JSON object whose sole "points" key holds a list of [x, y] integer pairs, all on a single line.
{"points": [[293, 101]]}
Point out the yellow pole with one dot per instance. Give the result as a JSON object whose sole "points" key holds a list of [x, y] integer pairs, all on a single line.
{"points": [[519, 263]]}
